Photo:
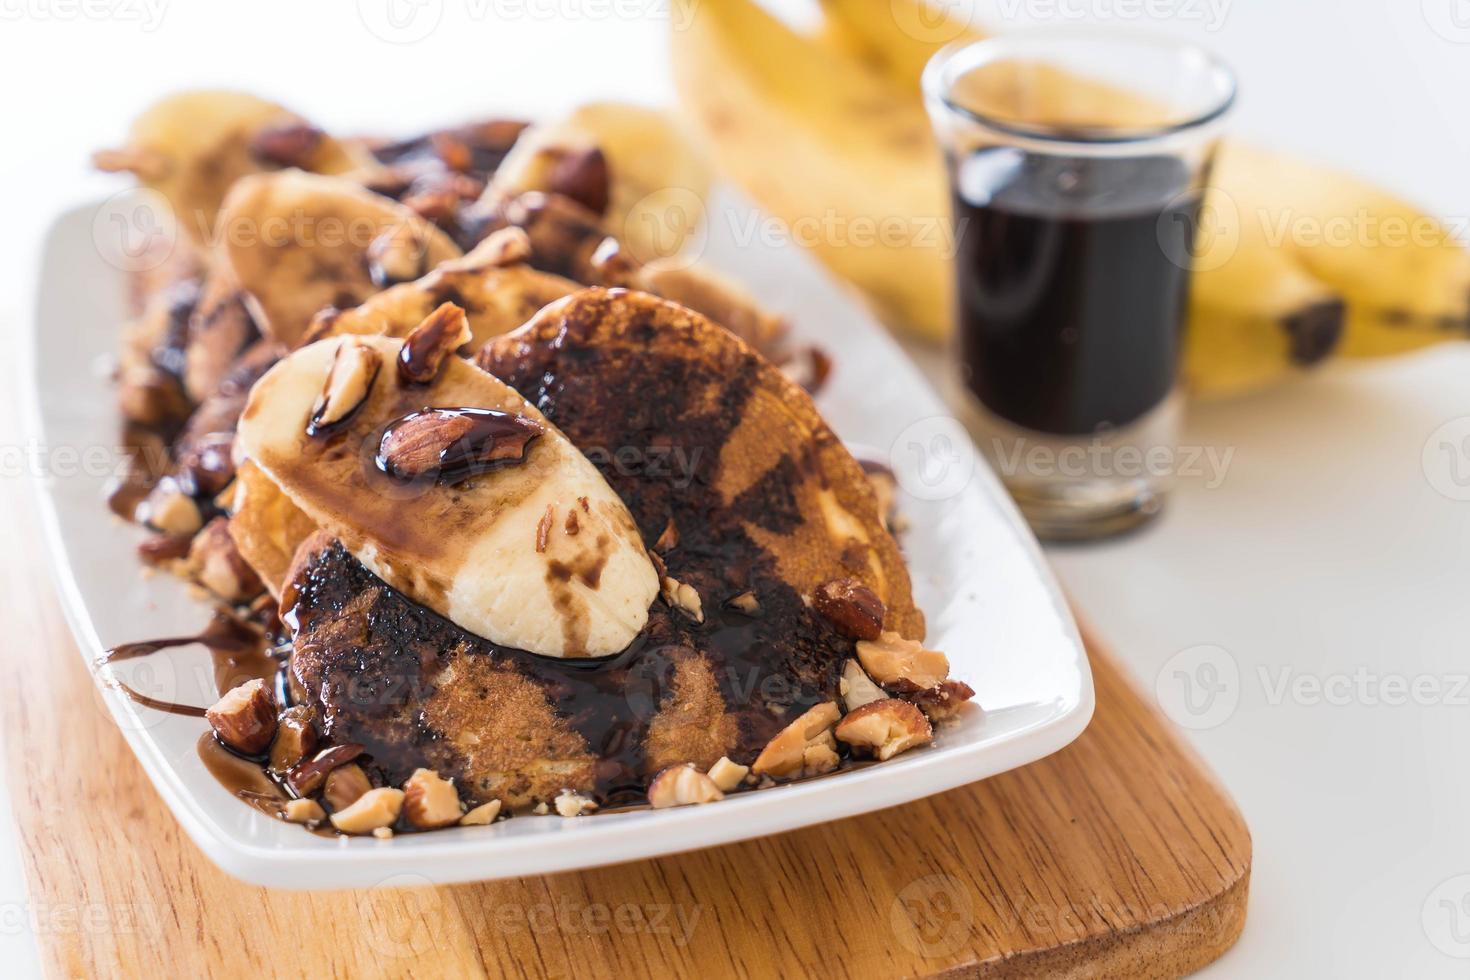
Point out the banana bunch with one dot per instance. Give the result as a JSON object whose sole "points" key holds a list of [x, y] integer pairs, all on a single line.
{"points": [[1294, 263]]}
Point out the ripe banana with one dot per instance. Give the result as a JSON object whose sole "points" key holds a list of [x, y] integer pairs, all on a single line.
{"points": [[296, 242], [539, 554], [826, 144], [1295, 262]]}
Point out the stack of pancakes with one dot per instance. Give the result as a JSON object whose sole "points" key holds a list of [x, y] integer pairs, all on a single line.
{"points": [[737, 485]]}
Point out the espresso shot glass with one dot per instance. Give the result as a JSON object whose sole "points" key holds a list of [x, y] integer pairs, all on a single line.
{"points": [[1077, 163]]}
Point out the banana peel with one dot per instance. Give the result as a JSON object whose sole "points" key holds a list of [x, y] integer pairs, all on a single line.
{"points": [[1295, 263]]}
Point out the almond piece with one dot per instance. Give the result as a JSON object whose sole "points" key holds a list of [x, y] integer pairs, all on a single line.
{"points": [[809, 367], [681, 786], [308, 812], [349, 380], [943, 701], [483, 814], [151, 398], [345, 785], [397, 255], [668, 540], [746, 602], [683, 598], [245, 718], [433, 200], [308, 777], [172, 511], [375, 808], [506, 247], [852, 608], [206, 468], [216, 563], [163, 549], [454, 152], [427, 345], [429, 800], [414, 445], [885, 488], [902, 664], [286, 144], [581, 175], [454, 444], [858, 688], [885, 728], [610, 265], [573, 804], [803, 748], [726, 774], [295, 739]]}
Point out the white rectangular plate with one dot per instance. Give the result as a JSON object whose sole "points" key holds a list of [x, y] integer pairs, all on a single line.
{"points": [[991, 603]]}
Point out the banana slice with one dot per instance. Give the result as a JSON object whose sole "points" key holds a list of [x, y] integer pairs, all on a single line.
{"points": [[192, 146], [298, 242], [651, 181], [532, 550]]}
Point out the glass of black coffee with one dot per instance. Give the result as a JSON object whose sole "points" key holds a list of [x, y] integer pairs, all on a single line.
{"points": [[1078, 163]]}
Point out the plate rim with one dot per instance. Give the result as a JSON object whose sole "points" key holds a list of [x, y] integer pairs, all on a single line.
{"points": [[350, 864]]}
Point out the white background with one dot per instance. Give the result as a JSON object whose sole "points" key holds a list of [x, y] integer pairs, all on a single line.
{"points": [[1327, 551]]}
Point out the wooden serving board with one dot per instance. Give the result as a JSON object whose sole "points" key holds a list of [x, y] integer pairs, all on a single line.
{"points": [[1119, 856]]}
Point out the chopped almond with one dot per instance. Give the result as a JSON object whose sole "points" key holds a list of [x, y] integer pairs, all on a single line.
{"points": [[726, 774], [376, 808], [681, 786], [483, 814], [885, 728], [903, 664], [803, 748]]}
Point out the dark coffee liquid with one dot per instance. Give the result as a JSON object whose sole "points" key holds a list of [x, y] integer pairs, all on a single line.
{"points": [[1072, 277]]}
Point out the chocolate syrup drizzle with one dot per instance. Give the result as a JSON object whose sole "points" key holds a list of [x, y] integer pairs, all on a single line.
{"points": [[238, 649], [369, 658]]}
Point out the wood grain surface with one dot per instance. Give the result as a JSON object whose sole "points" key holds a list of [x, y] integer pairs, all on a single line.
{"points": [[1119, 856]]}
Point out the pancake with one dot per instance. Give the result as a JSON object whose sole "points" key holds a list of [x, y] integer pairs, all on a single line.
{"points": [[643, 386], [735, 482]]}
